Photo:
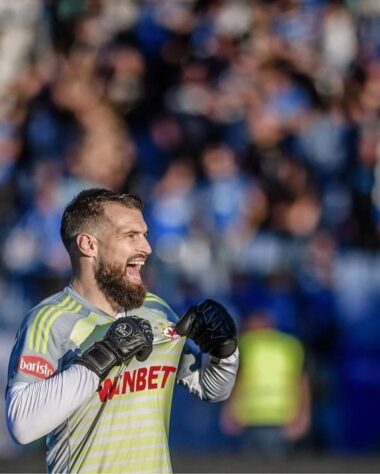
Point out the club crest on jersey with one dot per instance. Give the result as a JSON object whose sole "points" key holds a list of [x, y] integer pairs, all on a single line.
{"points": [[170, 332]]}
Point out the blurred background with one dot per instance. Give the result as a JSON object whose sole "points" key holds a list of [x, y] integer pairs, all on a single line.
{"points": [[251, 129]]}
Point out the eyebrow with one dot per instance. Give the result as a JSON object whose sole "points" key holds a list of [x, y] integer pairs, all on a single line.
{"points": [[123, 230]]}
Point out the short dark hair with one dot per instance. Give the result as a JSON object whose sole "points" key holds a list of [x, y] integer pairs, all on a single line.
{"points": [[86, 210]]}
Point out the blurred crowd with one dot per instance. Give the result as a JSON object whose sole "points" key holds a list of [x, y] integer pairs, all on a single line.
{"points": [[251, 129]]}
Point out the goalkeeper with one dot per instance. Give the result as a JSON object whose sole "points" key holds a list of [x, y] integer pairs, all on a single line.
{"points": [[94, 366]]}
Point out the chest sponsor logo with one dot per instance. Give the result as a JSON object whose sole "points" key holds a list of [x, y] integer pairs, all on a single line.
{"points": [[145, 378], [36, 366]]}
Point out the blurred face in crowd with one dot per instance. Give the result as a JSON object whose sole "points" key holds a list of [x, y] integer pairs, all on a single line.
{"points": [[219, 162], [122, 249]]}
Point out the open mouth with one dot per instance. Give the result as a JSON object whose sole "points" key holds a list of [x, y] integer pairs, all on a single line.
{"points": [[133, 269]]}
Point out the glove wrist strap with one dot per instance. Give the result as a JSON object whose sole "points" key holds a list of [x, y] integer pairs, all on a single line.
{"points": [[98, 358], [225, 349]]}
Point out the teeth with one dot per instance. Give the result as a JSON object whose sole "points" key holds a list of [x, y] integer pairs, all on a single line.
{"points": [[136, 262]]}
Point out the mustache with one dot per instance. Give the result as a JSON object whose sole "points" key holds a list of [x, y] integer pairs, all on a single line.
{"points": [[141, 255]]}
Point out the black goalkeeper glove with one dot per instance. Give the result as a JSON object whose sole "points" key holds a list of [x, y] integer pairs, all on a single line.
{"points": [[211, 326], [127, 337]]}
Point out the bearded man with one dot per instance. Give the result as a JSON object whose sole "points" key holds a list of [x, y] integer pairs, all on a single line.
{"points": [[94, 366]]}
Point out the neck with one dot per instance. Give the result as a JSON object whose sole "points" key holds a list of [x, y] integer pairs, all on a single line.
{"points": [[88, 289]]}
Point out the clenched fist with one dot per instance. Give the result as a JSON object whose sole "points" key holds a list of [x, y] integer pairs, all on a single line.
{"points": [[127, 337], [211, 326]]}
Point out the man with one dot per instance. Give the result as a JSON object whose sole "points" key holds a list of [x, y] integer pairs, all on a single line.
{"points": [[270, 405], [94, 366]]}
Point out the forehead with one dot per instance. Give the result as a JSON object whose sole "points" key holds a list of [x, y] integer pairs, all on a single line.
{"points": [[124, 218]]}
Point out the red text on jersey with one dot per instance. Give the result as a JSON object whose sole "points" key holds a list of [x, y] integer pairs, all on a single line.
{"points": [[35, 365], [145, 378]]}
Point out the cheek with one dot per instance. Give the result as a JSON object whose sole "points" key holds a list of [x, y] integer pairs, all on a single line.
{"points": [[108, 253], [117, 252]]}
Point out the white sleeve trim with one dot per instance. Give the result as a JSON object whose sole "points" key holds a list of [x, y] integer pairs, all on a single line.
{"points": [[215, 379], [35, 409]]}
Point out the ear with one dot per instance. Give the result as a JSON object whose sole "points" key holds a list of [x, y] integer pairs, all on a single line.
{"points": [[87, 245]]}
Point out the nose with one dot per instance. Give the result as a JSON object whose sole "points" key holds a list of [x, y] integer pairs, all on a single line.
{"points": [[145, 246]]}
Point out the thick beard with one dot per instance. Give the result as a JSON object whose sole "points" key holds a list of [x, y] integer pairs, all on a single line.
{"points": [[113, 283]]}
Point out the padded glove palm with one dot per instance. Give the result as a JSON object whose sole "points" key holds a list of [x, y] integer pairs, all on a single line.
{"points": [[211, 326]]}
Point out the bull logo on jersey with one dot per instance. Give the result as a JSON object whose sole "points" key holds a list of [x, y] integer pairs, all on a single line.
{"points": [[170, 332]]}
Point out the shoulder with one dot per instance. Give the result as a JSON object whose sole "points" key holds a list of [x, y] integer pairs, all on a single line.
{"points": [[53, 307], [54, 315], [156, 303]]}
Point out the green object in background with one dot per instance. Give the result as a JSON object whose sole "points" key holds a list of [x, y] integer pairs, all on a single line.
{"points": [[269, 378], [67, 9]]}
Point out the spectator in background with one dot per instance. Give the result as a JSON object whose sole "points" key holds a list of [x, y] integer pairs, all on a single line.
{"points": [[23, 32], [270, 405], [224, 189], [170, 215]]}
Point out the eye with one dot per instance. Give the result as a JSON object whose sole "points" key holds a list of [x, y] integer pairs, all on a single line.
{"points": [[135, 235]]}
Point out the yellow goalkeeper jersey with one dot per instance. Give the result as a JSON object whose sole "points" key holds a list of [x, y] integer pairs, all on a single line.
{"points": [[123, 426]]}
